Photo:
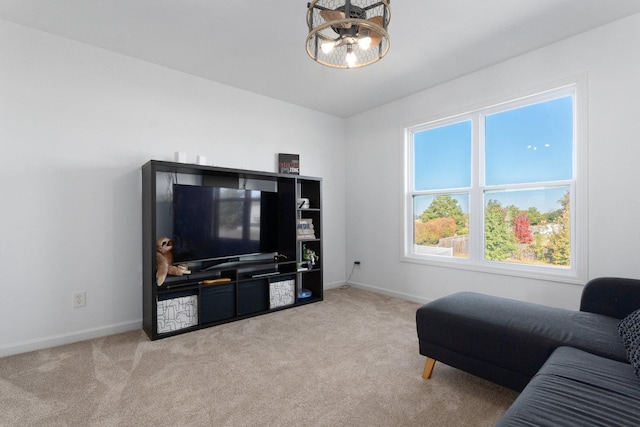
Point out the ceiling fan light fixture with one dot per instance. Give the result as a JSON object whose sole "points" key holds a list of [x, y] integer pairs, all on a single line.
{"points": [[347, 33], [327, 47], [364, 42], [351, 58]]}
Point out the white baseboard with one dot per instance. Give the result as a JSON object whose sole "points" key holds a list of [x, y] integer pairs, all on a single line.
{"points": [[333, 285], [387, 292], [87, 334], [62, 339]]}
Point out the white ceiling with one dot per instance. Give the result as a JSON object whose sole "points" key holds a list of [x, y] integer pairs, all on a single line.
{"points": [[259, 45]]}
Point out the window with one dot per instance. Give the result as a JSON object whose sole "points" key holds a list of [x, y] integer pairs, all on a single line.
{"points": [[497, 189]]}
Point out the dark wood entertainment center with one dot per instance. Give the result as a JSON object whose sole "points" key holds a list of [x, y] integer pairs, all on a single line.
{"points": [[238, 288]]}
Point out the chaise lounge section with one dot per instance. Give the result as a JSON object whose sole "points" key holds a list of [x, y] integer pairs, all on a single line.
{"points": [[545, 352]]}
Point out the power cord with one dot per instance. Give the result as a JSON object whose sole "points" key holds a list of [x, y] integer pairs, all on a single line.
{"points": [[346, 284]]}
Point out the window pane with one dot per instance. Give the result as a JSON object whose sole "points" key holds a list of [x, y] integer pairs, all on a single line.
{"points": [[441, 225], [528, 226], [530, 144], [442, 157]]}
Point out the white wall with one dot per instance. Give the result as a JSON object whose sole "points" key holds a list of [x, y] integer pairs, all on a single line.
{"points": [[611, 60], [76, 124]]}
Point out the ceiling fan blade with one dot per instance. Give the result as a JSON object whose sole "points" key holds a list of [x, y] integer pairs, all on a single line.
{"points": [[331, 15], [375, 36], [334, 15]]}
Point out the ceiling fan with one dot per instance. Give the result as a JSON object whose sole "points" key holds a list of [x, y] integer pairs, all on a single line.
{"points": [[345, 35]]}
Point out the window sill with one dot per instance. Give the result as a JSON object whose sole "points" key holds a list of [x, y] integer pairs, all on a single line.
{"points": [[554, 274]]}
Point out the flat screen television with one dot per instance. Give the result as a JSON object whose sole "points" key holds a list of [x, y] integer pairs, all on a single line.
{"points": [[218, 223]]}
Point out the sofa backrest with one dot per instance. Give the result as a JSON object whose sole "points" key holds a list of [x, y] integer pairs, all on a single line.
{"points": [[611, 296]]}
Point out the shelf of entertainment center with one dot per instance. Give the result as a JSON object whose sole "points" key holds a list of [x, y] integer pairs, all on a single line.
{"points": [[244, 271], [242, 296]]}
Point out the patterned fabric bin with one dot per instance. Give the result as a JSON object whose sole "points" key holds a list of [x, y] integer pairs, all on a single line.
{"points": [[282, 293], [177, 313]]}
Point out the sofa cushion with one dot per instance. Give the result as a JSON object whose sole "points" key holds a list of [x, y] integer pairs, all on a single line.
{"points": [[629, 329], [576, 388]]}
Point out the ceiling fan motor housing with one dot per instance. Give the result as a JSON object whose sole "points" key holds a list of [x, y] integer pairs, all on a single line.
{"points": [[354, 12]]}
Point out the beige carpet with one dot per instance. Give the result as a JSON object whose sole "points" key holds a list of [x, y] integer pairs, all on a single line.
{"points": [[351, 360]]}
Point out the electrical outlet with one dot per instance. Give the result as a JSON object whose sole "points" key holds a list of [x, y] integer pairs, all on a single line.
{"points": [[79, 299]]}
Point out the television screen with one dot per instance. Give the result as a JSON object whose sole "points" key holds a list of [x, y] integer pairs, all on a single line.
{"points": [[211, 223]]}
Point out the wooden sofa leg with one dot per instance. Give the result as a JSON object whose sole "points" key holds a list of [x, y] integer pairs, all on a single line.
{"points": [[428, 368]]}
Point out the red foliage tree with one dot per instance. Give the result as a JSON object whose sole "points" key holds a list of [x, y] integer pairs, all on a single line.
{"points": [[522, 228]]}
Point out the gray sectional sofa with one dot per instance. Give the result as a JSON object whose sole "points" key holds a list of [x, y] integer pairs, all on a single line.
{"points": [[572, 367]]}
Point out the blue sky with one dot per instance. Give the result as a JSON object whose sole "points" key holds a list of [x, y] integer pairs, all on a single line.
{"points": [[528, 144]]}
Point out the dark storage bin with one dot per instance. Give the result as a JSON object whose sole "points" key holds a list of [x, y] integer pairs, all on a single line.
{"points": [[253, 296], [217, 303]]}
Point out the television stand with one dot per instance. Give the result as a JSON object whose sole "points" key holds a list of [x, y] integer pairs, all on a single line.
{"points": [[233, 288]]}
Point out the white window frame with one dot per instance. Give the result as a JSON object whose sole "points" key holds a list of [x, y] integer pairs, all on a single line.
{"points": [[577, 272]]}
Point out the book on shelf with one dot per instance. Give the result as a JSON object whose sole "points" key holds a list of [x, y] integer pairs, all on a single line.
{"points": [[304, 229], [289, 163]]}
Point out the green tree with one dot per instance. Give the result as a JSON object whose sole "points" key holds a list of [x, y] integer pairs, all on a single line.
{"points": [[559, 247], [552, 217], [511, 212], [539, 247], [499, 240], [534, 215], [445, 206]]}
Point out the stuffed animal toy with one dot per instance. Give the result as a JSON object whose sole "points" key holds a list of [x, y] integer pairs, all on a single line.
{"points": [[164, 259]]}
